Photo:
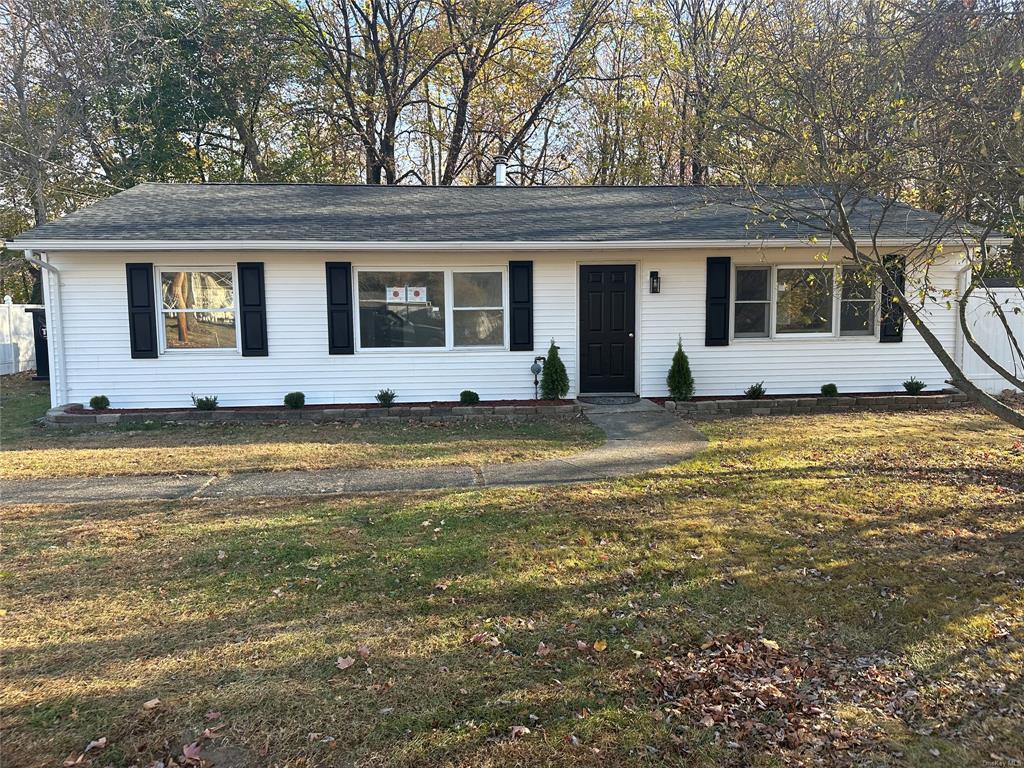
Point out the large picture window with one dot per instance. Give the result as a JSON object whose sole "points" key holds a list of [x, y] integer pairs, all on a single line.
{"points": [[803, 301], [401, 309], [197, 308], [436, 308]]}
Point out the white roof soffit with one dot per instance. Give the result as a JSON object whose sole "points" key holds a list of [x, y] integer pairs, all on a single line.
{"points": [[405, 245]]}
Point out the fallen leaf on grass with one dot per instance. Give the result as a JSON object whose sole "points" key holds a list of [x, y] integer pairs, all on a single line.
{"points": [[543, 649], [770, 644], [363, 651], [152, 704], [99, 743], [519, 730], [582, 646], [214, 715], [344, 662], [600, 645], [485, 638], [193, 753]]}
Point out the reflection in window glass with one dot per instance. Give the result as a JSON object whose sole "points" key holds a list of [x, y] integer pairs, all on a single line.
{"points": [[751, 313], [198, 309], [804, 303], [401, 309], [478, 316], [857, 305], [200, 330], [197, 290]]}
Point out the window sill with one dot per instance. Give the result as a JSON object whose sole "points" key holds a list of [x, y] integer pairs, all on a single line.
{"points": [[426, 350], [827, 337]]}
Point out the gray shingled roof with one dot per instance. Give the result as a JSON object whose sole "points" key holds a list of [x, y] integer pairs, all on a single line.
{"points": [[341, 213]]}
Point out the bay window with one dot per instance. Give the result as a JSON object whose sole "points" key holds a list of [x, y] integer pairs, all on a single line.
{"points": [[197, 308], [431, 308], [796, 301]]}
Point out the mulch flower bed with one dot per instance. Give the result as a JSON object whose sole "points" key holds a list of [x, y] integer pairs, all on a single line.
{"points": [[342, 406]]}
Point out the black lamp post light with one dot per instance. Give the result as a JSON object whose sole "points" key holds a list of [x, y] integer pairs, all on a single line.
{"points": [[535, 369]]}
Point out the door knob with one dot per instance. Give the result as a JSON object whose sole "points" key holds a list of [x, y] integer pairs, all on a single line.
{"points": [[631, 335]]}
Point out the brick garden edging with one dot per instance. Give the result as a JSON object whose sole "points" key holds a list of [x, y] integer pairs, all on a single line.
{"points": [[76, 415], [788, 406]]}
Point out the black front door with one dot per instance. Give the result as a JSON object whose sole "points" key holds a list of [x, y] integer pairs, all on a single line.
{"points": [[607, 328]]}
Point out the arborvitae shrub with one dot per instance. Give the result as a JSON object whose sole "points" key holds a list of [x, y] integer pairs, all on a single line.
{"points": [[554, 381], [680, 380]]}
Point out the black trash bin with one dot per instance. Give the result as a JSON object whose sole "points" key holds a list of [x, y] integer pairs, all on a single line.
{"points": [[42, 348]]}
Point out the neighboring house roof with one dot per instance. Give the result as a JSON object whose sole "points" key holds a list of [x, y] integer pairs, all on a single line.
{"points": [[329, 213]]}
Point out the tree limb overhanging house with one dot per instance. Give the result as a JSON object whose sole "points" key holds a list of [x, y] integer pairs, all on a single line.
{"points": [[248, 291]]}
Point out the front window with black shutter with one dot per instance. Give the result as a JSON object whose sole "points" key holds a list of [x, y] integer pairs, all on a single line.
{"points": [[800, 301], [198, 308], [448, 308]]}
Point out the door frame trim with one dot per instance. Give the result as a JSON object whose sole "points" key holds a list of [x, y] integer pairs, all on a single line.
{"points": [[604, 261]]}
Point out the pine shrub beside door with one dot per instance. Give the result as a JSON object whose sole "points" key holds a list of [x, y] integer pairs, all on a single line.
{"points": [[554, 381], [680, 380]]}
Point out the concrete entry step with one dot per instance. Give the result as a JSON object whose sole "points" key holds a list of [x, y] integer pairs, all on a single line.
{"points": [[608, 399]]}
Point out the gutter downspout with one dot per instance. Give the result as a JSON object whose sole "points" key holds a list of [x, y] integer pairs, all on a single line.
{"points": [[54, 326]]}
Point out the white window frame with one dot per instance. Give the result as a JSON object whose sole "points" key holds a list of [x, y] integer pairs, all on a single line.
{"points": [[773, 269], [449, 310], [159, 269]]}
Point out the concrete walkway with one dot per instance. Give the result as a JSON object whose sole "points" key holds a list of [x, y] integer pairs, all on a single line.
{"points": [[640, 436]]}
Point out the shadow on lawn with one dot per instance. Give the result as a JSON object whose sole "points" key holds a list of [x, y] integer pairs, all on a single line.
{"points": [[254, 632]]}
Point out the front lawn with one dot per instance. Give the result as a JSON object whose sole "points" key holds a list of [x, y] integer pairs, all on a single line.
{"points": [[844, 589], [32, 451]]}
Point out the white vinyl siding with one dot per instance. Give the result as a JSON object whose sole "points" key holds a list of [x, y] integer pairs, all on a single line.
{"points": [[95, 327]]}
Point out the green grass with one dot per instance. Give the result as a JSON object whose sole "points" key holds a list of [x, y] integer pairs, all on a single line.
{"points": [[31, 451], [890, 537], [22, 403]]}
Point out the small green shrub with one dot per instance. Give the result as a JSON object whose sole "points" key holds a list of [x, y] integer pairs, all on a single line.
{"points": [[468, 397], [755, 391], [554, 381], [99, 402], [387, 397], [295, 399], [829, 390], [204, 403], [680, 380], [914, 386]]}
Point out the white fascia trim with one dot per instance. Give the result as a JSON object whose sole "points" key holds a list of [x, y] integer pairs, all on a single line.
{"points": [[455, 245]]}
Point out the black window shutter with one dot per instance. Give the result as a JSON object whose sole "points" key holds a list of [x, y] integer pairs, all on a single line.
{"points": [[716, 324], [891, 328], [340, 338], [520, 305], [142, 311], [252, 303]]}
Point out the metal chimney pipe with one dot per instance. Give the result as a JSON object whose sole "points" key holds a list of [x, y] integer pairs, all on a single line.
{"points": [[500, 166]]}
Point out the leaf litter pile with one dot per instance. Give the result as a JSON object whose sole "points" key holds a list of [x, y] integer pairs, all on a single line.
{"points": [[756, 698]]}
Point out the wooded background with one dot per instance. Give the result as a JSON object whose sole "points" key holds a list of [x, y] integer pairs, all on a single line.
{"points": [[920, 101]]}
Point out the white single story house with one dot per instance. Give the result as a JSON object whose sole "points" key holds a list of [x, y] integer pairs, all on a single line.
{"points": [[250, 291]]}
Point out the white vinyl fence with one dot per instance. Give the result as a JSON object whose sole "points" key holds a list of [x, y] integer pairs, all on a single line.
{"points": [[990, 334], [17, 343]]}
